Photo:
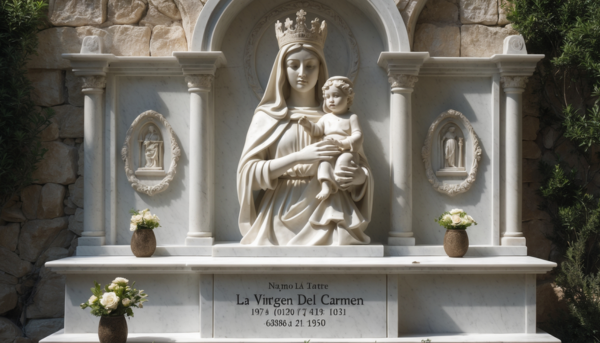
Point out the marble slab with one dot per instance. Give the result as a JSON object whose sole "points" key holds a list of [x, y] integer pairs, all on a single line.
{"points": [[272, 265], [540, 337], [125, 250], [438, 250], [230, 249], [301, 306]]}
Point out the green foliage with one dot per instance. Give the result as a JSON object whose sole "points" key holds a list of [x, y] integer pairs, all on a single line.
{"points": [[20, 121], [123, 297], [568, 33]]}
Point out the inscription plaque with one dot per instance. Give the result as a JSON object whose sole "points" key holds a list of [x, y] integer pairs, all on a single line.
{"points": [[300, 306]]}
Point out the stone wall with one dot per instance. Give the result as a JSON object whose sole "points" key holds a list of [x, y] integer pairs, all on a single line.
{"points": [[43, 222]]}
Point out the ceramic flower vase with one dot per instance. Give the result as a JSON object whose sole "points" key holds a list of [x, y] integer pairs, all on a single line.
{"points": [[456, 243], [143, 242], [113, 329]]}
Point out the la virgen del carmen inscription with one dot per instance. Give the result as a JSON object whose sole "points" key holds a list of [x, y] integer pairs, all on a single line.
{"points": [[300, 306]]}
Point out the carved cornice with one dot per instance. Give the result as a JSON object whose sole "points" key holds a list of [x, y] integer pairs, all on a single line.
{"points": [[93, 81], [199, 82], [402, 80], [514, 81]]}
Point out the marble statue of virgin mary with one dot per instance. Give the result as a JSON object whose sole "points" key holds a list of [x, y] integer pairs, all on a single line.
{"points": [[276, 176]]}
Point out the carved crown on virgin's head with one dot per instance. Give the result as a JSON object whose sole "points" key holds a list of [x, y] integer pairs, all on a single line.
{"points": [[316, 35]]}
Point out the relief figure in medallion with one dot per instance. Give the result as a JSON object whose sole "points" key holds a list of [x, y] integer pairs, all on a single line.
{"points": [[450, 148], [152, 144], [277, 176]]}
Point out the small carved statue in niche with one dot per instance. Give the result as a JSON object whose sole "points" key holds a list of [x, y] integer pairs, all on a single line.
{"points": [[152, 146], [451, 151], [339, 126]]}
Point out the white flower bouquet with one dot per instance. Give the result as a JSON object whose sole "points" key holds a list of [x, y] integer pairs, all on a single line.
{"points": [[456, 219], [143, 220], [116, 299]]}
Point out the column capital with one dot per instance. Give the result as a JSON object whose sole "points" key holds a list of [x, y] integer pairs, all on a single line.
{"points": [[93, 83], [90, 63], [518, 82], [402, 80], [199, 82]]}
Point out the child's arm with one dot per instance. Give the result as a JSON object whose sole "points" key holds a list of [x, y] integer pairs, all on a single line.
{"points": [[313, 129], [355, 140]]}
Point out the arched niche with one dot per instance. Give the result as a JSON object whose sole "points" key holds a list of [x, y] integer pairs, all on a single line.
{"points": [[217, 16]]}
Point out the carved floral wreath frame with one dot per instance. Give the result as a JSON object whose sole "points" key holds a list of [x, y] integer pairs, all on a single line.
{"points": [[126, 153], [465, 185]]}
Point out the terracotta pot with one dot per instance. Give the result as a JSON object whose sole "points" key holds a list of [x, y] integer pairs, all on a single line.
{"points": [[456, 243], [143, 242], [112, 330]]}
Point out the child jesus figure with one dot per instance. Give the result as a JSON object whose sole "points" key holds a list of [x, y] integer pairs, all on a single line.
{"points": [[340, 126]]}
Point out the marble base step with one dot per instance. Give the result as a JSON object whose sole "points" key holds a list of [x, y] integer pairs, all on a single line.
{"points": [[540, 337], [162, 250], [438, 250], [231, 249]]}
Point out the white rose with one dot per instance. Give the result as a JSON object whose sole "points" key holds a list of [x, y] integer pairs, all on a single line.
{"points": [[132, 227], [144, 211], [92, 299], [126, 302], [110, 301], [456, 219], [136, 219], [113, 286], [456, 211], [121, 281], [471, 220], [447, 217]]}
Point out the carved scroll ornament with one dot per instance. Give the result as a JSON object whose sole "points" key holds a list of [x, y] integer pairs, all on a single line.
{"points": [[426, 154], [127, 154]]}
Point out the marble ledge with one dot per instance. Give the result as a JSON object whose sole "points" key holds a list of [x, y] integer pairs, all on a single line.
{"points": [[163, 250], [539, 337], [304, 265], [229, 249]]}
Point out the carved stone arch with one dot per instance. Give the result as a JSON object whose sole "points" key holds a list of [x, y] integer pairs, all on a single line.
{"points": [[410, 11], [217, 16], [428, 155]]}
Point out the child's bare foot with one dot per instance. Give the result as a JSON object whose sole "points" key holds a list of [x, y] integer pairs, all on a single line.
{"points": [[325, 191]]}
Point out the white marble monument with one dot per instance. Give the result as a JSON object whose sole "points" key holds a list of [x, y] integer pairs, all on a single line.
{"points": [[297, 166]]}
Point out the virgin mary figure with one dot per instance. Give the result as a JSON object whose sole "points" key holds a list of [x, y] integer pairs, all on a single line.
{"points": [[276, 176]]}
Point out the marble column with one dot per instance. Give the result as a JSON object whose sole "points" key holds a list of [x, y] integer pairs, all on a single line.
{"points": [[93, 146], [401, 159], [200, 157], [513, 90]]}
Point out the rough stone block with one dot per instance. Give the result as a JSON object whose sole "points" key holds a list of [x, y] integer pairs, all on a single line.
{"points": [[37, 329], [154, 17], [58, 166], [479, 12], [70, 121], [503, 8], [77, 12], [439, 11], [531, 203], [482, 41], [76, 222], [535, 234], [76, 192], [8, 279], [550, 302], [11, 263], [190, 11], [8, 297], [51, 201], [438, 40], [11, 212], [51, 44], [73, 83], [531, 171], [126, 12], [549, 135], [531, 126], [165, 40], [49, 295], [62, 240], [36, 236], [167, 7], [9, 330], [50, 133], [47, 87], [531, 150], [9, 236]]}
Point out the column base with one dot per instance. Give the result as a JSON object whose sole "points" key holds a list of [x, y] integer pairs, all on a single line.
{"points": [[513, 241], [199, 241], [91, 241], [404, 241]]}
